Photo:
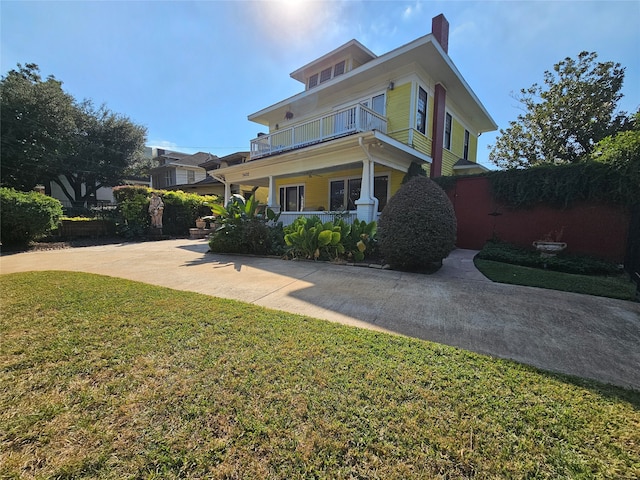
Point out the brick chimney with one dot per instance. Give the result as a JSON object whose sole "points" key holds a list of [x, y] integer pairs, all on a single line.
{"points": [[440, 30]]}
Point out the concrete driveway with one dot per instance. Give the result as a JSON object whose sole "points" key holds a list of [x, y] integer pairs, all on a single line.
{"points": [[581, 335]]}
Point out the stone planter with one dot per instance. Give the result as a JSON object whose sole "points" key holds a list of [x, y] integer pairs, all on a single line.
{"points": [[198, 233], [549, 249]]}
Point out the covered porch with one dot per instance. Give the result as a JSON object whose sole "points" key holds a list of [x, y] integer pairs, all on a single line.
{"points": [[305, 181]]}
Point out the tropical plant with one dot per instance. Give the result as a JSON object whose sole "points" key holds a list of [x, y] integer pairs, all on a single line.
{"points": [[417, 228], [243, 226], [359, 239], [311, 239]]}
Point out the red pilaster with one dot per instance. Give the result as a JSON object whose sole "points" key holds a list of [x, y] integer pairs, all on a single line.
{"points": [[439, 100]]}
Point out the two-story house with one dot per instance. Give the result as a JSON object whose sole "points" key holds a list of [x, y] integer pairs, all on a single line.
{"points": [[347, 140], [175, 169]]}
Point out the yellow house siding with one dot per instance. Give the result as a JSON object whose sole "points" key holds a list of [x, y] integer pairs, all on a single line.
{"points": [[395, 181], [421, 143], [316, 188], [457, 138], [398, 107], [448, 160], [473, 148], [262, 193]]}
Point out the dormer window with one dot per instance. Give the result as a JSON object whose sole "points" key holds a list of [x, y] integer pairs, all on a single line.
{"points": [[325, 75]]}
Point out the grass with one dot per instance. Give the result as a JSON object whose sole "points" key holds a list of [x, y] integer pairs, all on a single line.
{"points": [[612, 286], [506, 263], [106, 378]]}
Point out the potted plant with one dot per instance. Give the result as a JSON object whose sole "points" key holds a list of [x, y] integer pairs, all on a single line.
{"points": [[550, 245], [200, 223]]}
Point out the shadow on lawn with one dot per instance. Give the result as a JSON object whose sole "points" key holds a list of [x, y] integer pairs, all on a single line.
{"points": [[553, 331]]}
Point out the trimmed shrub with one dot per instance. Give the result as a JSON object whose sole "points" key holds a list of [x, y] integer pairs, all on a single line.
{"points": [[417, 228], [26, 216]]}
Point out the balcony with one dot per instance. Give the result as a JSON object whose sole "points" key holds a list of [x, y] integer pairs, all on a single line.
{"points": [[350, 120]]}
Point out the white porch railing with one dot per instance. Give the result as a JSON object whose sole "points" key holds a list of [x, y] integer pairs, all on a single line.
{"points": [[287, 218], [353, 119]]}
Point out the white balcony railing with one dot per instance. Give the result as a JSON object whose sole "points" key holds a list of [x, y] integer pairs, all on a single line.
{"points": [[353, 119]]}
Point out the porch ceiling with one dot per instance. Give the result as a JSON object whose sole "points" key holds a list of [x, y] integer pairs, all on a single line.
{"points": [[323, 158]]}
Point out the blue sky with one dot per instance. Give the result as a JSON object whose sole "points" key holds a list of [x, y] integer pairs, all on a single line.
{"points": [[191, 72]]}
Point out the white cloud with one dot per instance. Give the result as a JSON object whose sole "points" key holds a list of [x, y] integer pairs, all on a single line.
{"points": [[412, 11]]}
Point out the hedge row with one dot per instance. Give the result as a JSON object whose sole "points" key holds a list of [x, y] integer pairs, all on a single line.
{"points": [[26, 216], [562, 185], [180, 210]]}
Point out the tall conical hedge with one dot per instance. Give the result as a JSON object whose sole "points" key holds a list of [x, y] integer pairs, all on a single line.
{"points": [[417, 228]]}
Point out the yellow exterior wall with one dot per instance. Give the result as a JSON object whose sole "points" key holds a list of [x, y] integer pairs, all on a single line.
{"points": [[315, 190], [473, 148], [421, 143], [448, 160], [398, 112], [457, 139], [262, 193], [316, 187]]}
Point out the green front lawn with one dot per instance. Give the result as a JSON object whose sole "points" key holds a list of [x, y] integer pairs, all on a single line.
{"points": [[107, 378], [613, 286], [506, 263]]}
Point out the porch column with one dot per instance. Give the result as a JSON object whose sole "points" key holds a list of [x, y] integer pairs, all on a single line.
{"points": [[272, 200], [365, 205], [227, 193]]}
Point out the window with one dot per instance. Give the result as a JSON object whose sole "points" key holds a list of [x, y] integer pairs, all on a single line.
{"points": [[344, 193], [292, 198], [325, 75], [465, 153], [167, 178], [191, 176], [421, 116], [447, 131], [377, 104]]}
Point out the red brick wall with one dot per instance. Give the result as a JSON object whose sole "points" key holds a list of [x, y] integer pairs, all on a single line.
{"points": [[598, 230]]}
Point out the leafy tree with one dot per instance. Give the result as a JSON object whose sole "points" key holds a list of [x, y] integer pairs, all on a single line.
{"points": [[565, 118], [621, 152], [100, 151], [48, 136], [36, 119]]}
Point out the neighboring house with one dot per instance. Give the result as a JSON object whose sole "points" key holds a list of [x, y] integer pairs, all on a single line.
{"points": [[214, 186], [347, 140], [103, 196], [177, 170]]}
